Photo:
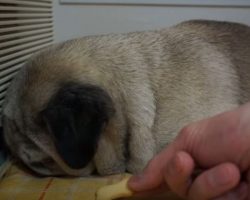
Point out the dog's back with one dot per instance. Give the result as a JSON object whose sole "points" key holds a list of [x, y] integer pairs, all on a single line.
{"points": [[207, 72], [233, 40]]}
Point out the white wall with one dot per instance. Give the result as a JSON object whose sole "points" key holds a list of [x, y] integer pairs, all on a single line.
{"points": [[75, 20]]}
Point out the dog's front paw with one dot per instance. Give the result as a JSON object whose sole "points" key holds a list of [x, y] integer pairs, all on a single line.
{"points": [[108, 168], [109, 158], [136, 166]]}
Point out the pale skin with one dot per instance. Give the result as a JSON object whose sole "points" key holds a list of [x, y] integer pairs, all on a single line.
{"points": [[219, 146]]}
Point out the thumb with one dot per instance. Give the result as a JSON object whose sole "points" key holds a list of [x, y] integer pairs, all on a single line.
{"points": [[152, 176]]}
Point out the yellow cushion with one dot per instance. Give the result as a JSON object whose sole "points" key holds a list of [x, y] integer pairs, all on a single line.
{"points": [[19, 185]]}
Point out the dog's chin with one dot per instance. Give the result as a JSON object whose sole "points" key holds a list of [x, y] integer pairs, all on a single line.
{"points": [[47, 172], [57, 171], [86, 171]]}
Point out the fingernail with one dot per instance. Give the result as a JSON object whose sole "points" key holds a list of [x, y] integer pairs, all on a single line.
{"points": [[220, 178], [178, 161], [135, 182], [174, 166], [136, 179]]}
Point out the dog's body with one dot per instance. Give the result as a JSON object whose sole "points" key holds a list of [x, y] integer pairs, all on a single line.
{"points": [[124, 94]]}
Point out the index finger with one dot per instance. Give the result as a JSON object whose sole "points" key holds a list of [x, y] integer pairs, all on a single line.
{"points": [[152, 176]]}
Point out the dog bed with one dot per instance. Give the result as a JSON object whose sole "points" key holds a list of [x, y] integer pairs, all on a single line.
{"points": [[18, 184]]}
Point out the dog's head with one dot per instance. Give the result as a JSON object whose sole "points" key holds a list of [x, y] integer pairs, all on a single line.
{"points": [[53, 120]]}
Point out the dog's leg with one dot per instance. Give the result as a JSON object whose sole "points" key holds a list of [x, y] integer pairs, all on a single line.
{"points": [[141, 112], [110, 158]]}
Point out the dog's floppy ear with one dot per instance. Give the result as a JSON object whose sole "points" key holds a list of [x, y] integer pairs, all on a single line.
{"points": [[75, 117]]}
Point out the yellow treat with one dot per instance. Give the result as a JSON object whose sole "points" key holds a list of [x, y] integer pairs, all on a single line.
{"points": [[114, 191]]}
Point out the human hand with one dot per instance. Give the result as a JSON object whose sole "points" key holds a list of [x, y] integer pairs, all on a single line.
{"points": [[219, 145]]}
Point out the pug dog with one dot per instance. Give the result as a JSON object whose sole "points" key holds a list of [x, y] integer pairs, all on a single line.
{"points": [[111, 102]]}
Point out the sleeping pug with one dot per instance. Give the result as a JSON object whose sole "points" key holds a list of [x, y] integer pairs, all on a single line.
{"points": [[111, 102]]}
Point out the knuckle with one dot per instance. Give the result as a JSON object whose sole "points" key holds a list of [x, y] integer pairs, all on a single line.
{"points": [[186, 131], [188, 137]]}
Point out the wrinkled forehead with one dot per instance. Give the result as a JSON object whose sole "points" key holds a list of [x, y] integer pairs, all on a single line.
{"points": [[19, 143]]}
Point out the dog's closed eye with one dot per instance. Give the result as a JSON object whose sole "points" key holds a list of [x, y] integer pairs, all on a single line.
{"points": [[43, 163], [37, 165]]}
